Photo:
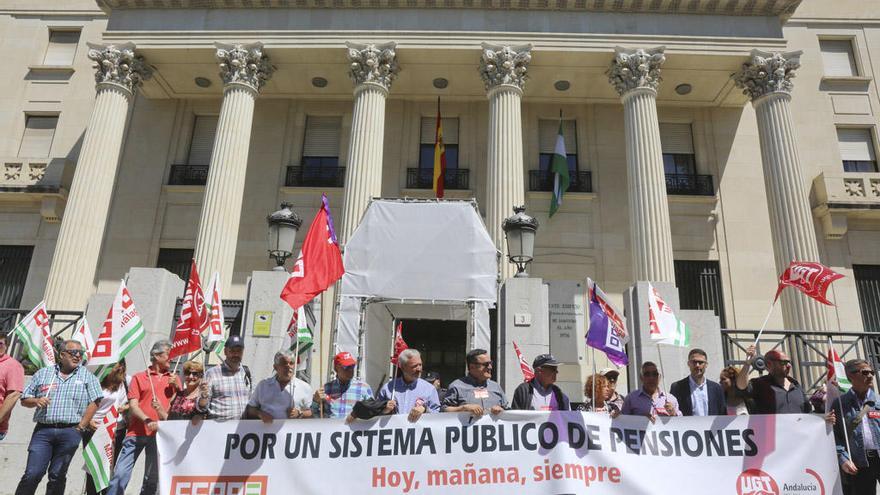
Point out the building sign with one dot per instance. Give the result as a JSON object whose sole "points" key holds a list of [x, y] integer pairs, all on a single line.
{"points": [[262, 323], [567, 324]]}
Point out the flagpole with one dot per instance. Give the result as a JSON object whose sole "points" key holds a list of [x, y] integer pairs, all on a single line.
{"points": [[593, 358], [766, 319], [144, 356], [839, 403], [296, 359], [660, 359]]}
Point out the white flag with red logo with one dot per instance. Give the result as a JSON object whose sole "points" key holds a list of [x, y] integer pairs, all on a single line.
{"points": [[666, 328], [527, 371], [193, 319], [83, 335], [98, 453], [216, 331], [122, 330], [811, 278], [35, 333]]}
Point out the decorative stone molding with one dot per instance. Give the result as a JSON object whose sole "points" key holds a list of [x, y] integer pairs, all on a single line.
{"points": [[376, 64], [767, 73], [636, 68], [839, 195], [118, 64], [505, 65], [244, 64]]}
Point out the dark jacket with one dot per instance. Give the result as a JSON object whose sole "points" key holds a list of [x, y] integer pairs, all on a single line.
{"points": [[682, 391], [522, 397], [769, 398]]}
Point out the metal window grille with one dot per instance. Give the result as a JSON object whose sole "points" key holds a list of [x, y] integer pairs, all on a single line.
{"points": [[699, 286]]}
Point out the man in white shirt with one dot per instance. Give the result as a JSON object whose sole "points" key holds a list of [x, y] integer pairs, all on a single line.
{"points": [[281, 396]]}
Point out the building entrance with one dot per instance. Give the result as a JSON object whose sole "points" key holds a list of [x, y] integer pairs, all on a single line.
{"points": [[442, 343]]}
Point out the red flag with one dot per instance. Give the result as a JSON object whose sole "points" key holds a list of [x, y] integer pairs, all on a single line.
{"points": [[319, 264], [527, 371], [811, 278], [193, 320], [399, 343]]}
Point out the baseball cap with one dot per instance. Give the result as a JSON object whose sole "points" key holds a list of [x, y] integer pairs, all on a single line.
{"points": [[344, 359], [609, 372], [432, 376], [234, 341], [545, 360]]}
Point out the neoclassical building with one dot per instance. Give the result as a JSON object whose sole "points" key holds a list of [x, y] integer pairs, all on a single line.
{"points": [[141, 133]]}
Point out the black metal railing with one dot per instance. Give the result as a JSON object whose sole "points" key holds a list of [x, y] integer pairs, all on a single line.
{"points": [[423, 178], [298, 176], [188, 175], [542, 180], [807, 350], [62, 324], [690, 185]]}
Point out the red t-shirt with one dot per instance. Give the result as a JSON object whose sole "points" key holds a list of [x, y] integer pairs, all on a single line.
{"points": [[141, 390], [11, 380]]}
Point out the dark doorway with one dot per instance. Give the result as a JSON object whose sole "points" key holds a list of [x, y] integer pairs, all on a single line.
{"points": [[442, 344]]}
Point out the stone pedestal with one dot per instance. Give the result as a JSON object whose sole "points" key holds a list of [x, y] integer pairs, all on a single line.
{"points": [[72, 276], [523, 317], [263, 302]]}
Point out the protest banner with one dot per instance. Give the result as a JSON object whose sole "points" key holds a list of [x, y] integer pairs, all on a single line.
{"points": [[518, 452]]}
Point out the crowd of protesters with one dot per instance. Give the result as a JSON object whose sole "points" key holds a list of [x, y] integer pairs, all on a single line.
{"points": [[70, 402]]}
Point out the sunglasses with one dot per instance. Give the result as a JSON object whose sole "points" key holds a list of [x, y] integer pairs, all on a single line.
{"points": [[75, 352], [348, 368], [487, 364], [784, 362], [193, 373], [651, 374], [866, 372]]}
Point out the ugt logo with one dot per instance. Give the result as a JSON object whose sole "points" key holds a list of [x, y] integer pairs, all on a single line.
{"points": [[756, 482]]}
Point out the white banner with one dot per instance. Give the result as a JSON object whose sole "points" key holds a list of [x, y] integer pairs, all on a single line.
{"points": [[518, 452]]}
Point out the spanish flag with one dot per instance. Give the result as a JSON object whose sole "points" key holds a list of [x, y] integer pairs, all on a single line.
{"points": [[439, 156]]}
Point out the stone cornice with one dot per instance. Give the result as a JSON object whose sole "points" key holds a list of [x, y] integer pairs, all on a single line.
{"points": [[373, 64], [636, 69], [118, 64], [766, 73], [505, 65], [244, 64]]}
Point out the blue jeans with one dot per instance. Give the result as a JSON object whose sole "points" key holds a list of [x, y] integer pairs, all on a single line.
{"points": [[131, 449], [51, 448]]}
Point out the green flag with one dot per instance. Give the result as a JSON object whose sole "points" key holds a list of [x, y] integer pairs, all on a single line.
{"points": [[559, 168]]}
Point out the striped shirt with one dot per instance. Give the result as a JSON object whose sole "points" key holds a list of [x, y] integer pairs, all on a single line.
{"points": [[69, 396], [341, 397], [228, 392]]}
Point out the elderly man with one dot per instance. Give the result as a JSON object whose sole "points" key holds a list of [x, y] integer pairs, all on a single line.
{"points": [[281, 396], [66, 396], [149, 398], [649, 400], [338, 396], [697, 395], [11, 384], [476, 393], [229, 384], [861, 418], [541, 392], [408, 393], [776, 392]]}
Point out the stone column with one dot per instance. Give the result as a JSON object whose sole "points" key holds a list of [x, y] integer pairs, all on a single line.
{"points": [[72, 276], [766, 80], [504, 73], [244, 70], [635, 74], [373, 69]]}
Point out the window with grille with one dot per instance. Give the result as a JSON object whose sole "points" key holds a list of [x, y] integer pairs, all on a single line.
{"points": [[62, 47], [428, 134], [699, 287], [202, 144], [321, 143], [868, 289], [176, 261], [15, 261], [857, 150], [677, 144], [548, 132], [838, 58], [39, 132]]}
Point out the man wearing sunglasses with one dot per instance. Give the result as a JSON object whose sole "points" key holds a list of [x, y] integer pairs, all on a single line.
{"points": [[476, 393], [861, 418], [338, 396], [776, 392], [650, 401], [541, 393]]}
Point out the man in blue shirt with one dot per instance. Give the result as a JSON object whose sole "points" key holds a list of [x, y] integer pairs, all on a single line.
{"points": [[409, 394], [338, 397], [861, 418]]}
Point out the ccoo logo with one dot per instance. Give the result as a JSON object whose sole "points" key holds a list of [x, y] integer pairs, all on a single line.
{"points": [[756, 482]]}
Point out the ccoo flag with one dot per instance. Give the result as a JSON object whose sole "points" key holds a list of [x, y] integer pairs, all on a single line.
{"points": [[98, 453], [34, 331], [121, 332], [188, 334], [811, 278], [666, 328], [559, 168], [83, 335], [214, 312], [607, 328]]}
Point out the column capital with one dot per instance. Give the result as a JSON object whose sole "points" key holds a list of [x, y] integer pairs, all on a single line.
{"points": [[502, 65], [373, 63], [244, 64], [768, 72], [118, 65], [637, 68]]}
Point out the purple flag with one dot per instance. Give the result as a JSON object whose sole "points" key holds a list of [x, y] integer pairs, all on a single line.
{"points": [[607, 329]]}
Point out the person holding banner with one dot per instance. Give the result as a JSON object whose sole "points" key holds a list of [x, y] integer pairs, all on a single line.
{"points": [[66, 396], [229, 384], [149, 398], [184, 404], [339, 395], [11, 384], [649, 400], [409, 394], [696, 394], [541, 393], [476, 393], [858, 446], [776, 392], [601, 403], [281, 396], [611, 375]]}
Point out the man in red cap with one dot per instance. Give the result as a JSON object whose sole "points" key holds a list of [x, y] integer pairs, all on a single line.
{"points": [[337, 397]]}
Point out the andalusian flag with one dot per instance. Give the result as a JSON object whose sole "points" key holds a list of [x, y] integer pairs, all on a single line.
{"points": [[559, 169], [121, 332], [98, 453], [666, 328], [439, 156], [35, 333], [836, 382]]}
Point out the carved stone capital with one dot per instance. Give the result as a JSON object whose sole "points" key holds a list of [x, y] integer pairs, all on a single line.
{"points": [[636, 69], [505, 65], [767, 73], [376, 64], [244, 64], [118, 64]]}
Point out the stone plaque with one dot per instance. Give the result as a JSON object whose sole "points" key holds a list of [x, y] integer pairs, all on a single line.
{"points": [[567, 323]]}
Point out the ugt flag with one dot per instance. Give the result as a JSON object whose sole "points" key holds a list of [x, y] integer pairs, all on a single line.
{"points": [[121, 332], [811, 278], [98, 453], [83, 335], [319, 263], [666, 328], [188, 334], [33, 330], [527, 371], [607, 329], [836, 383]]}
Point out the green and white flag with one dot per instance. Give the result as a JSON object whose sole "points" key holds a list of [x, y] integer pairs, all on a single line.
{"points": [[559, 168], [35, 333], [121, 332], [666, 328], [98, 453]]}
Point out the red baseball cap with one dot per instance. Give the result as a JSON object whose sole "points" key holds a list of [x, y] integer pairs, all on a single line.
{"points": [[344, 359]]}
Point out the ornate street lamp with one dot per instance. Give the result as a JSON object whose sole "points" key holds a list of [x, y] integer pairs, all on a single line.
{"points": [[283, 226], [519, 230]]}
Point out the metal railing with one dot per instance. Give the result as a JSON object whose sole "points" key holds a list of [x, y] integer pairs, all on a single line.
{"points": [[62, 324], [807, 350], [299, 176], [542, 180], [188, 175], [423, 178], [690, 185]]}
